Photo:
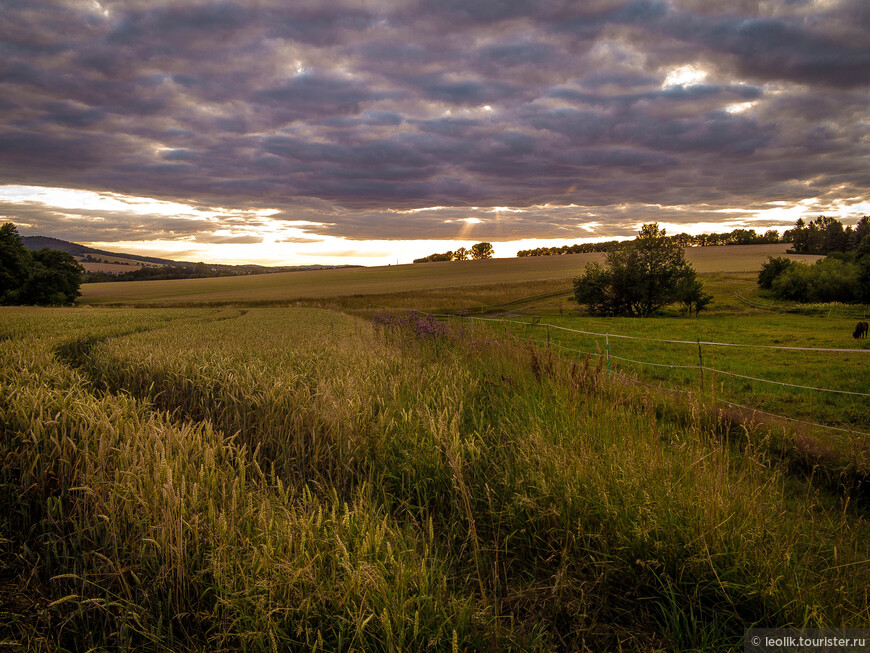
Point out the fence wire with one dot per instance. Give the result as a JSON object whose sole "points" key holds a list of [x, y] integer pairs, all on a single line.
{"points": [[702, 368], [673, 342]]}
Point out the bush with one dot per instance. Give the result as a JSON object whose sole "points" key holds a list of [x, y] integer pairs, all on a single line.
{"points": [[827, 280], [691, 295], [772, 269]]}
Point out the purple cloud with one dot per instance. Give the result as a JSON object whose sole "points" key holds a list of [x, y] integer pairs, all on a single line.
{"points": [[363, 111]]}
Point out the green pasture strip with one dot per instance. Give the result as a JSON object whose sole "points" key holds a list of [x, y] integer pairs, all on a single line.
{"points": [[376, 490], [835, 370]]}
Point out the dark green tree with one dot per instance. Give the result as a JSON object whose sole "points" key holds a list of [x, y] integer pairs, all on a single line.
{"points": [[690, 293], [433, 258], [640, 278], [15, 264], [45, 277], [862, 256], [54, 279], [861, 231], [821, 236], [595, 289]]}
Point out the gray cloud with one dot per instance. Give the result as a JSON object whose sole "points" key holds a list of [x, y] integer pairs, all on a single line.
{"points": [[346, 114]]}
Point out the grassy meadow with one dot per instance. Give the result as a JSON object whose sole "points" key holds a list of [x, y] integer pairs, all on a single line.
{"points": [[307, 478]]}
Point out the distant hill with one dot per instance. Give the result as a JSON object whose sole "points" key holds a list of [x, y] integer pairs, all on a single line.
{"points": [[38, 242], [103, 265]]}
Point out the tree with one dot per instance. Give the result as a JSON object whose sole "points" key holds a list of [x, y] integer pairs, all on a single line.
{"points": [[861, 231], [54, 279], [771, 236], [640, 278], [481, 251], [15, 264], [45, 277], [690, 293], [460, 254], [820, 236], [862, 256]]}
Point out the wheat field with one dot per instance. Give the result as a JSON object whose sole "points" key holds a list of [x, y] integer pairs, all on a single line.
{"points": [[273, 479]]}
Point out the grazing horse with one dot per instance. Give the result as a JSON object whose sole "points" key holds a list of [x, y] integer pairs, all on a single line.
{"points": [[861, 330]]}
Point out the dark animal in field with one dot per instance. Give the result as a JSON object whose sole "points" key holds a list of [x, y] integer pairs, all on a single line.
{"points": [[861, 330]]}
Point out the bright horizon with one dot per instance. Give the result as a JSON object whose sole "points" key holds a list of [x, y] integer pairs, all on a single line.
{"points": [[284, 244]]}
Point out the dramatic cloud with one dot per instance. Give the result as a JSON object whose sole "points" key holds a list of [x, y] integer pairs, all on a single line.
{"points": [[353, 120]]}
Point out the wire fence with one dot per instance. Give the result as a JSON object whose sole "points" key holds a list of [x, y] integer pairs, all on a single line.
{"points": [[731, 404], [700, 367], [662, 340]]}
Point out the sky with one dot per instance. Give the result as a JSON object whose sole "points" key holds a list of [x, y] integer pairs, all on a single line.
{"points": [[377, 131]]}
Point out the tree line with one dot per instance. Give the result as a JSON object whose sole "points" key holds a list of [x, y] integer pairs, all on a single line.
{"points": [[736, 237], [45, 277], [187, 271], [825, 235], [477, 252]]}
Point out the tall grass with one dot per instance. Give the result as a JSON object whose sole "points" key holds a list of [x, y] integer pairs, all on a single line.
{"points": [[676, 365], [294, 479]]}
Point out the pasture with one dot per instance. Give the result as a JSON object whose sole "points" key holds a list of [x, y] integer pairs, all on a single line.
{"points": [[216, 478]]}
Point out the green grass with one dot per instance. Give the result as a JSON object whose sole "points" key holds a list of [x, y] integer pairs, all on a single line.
{"points": [[291, 479], [819, 369]]}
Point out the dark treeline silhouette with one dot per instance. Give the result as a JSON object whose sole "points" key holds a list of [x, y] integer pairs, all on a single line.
{"points": [[195, 271], [90, 258], [736, 237], [825, 235], [477, 252], [435, 258]]}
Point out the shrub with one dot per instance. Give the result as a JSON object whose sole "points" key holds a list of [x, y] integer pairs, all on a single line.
{"points": [[827, 280], [772, 269], [691, 295]]}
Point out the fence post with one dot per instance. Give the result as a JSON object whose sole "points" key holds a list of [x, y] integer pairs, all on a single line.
{"points": [[607, 350], [701, 365], [548, 336]]}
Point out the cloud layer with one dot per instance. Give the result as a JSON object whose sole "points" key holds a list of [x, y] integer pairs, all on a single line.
{"points": [[354, 115]]}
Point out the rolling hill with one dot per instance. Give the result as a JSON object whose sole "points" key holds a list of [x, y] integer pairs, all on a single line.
{"points": [[34, 243]]}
